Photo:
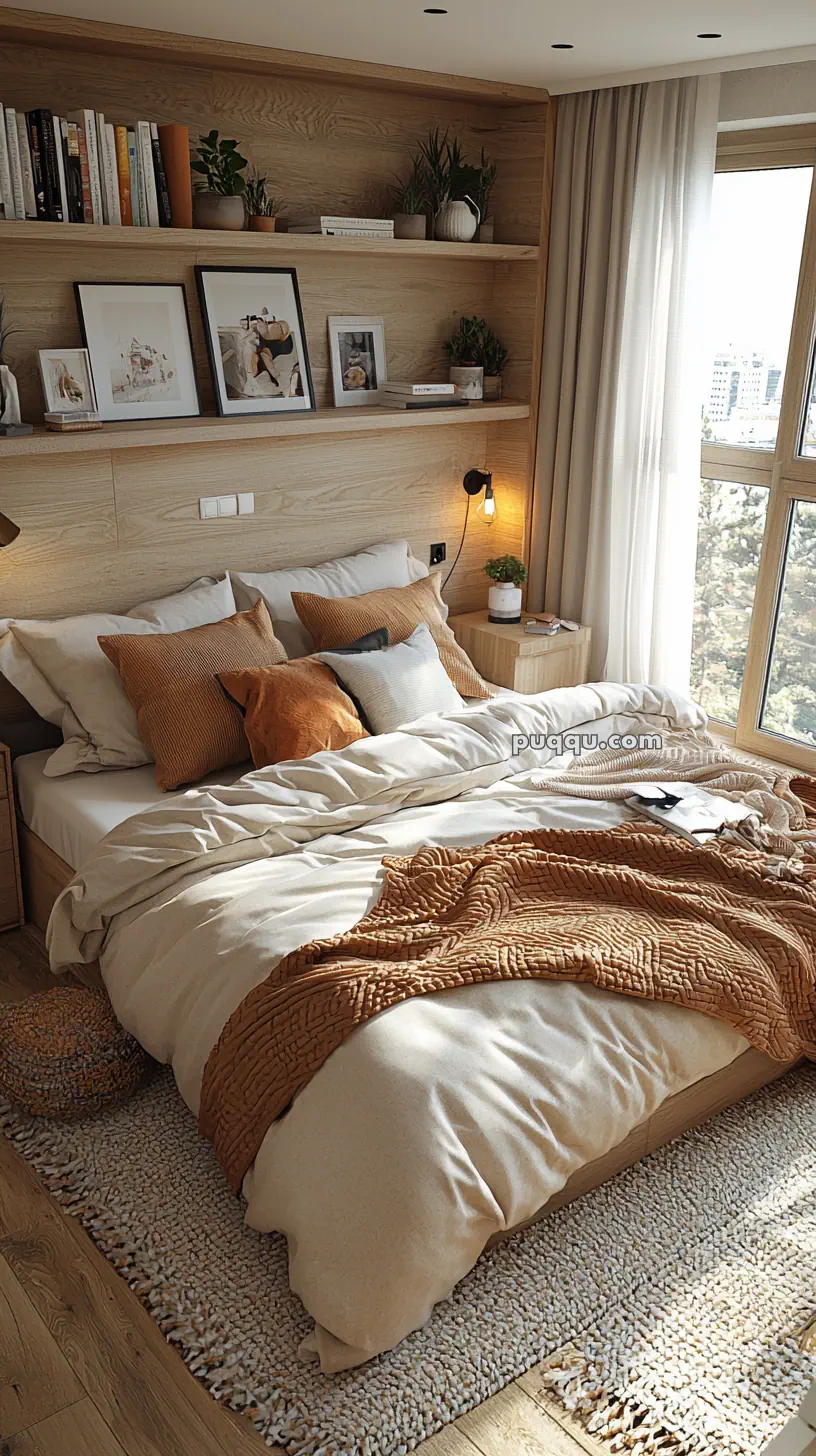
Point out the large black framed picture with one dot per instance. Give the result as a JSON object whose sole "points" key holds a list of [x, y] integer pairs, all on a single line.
{"points": [[139, 342], [256, 341]]}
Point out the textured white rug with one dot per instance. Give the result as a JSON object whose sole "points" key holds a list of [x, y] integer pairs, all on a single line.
{"points": [[683, 1286]]}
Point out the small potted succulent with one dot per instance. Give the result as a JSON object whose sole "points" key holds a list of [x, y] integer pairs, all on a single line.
{"points": [[219, 199], [454, 211], [463, 350], [492, 357], [262, 210], [504, 598], [410, 199]]}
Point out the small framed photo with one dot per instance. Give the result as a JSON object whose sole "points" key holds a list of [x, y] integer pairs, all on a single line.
{"points": [[67, 381], [256, 340], [357, 351], [138, 338]]}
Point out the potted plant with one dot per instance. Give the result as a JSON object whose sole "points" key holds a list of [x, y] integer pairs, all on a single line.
{"points": [[481, 188], [492, 355], [410, 200], [219, 199], [454, 211], [262, 210], [504, 598], [463, 350]]}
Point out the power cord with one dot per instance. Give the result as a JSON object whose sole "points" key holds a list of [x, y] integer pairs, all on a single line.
{"points": [[461, 544]]}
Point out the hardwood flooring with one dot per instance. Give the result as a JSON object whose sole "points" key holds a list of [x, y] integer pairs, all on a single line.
{"points": [[84, 1371]]}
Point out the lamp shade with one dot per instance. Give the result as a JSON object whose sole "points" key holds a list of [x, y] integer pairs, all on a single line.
{"points": [[8, 531]]}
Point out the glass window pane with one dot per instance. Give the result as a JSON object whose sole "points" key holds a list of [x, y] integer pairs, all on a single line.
{"points": [[731, 522], [757, 230], [789, 705], [808, 444]]}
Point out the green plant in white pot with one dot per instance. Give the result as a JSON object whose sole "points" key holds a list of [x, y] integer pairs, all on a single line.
{"points": [[410, 198], [504, 598], [218, 201]]}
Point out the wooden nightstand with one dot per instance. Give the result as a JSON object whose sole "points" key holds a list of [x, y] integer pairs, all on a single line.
{"points": [[11, 889], [513, 658]]}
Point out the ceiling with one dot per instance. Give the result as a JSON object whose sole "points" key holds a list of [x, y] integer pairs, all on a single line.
{"points": [[614, 40]]}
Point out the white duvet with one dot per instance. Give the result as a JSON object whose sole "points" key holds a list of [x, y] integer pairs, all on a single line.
{"points": [[444, 1120]]}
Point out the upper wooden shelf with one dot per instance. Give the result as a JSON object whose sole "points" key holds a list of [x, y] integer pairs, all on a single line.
{"points": [[197, 240], [207, 429]]}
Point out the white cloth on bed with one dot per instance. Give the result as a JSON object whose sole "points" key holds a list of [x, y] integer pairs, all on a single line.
{"points": [[446, 1119]]}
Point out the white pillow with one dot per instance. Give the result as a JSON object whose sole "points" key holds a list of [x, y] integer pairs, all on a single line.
{"points": [[63, 673], [397, 684], [389, 564]]}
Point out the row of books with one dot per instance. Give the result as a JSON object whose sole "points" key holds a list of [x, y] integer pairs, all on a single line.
{"points": [[345, 227], [81, 169]]}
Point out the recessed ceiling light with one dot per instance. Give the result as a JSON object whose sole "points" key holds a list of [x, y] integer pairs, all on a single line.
{"points": [[709, 35], [562, 45], [434, 10]]}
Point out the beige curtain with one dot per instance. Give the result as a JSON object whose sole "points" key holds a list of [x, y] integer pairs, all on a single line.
{"points": [[595, 151]]}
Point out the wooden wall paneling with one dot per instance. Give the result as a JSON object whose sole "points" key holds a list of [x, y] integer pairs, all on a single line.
{"points": [[517, 138], [68, 517]]}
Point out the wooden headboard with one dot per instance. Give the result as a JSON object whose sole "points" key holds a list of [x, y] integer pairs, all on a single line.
{"points": [[110, 519]]}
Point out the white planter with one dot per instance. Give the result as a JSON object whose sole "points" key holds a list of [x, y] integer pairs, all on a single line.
{"points": [[469, 379], [455, 223], [504, 602]]}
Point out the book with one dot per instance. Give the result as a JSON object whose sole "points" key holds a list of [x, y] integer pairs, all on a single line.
{"points": [[317, 222], [123, 175], [85, 164], [145, 148], [50, 166], [25, 163], [6, 184], [98, 130], [135, 185], [62, 178], [15, 163], [165, 213], [343, 232], [398, 386], [429, 402], [174, 141], [37, 155], [73, 171], [87, 121], [111, 176]]}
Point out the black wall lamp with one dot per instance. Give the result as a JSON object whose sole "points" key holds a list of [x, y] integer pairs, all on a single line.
{"points": [[476, 481], [8, 531]]}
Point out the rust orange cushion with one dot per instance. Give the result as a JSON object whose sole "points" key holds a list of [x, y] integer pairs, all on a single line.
{"points": [[332, 622], [293, 710], [185, 720]]}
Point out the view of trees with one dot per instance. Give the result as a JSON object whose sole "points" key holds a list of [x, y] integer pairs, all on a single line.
{"points": [[729, 542]]}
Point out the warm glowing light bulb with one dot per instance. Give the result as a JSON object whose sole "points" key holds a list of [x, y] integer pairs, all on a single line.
{"points": [[487, 507]]}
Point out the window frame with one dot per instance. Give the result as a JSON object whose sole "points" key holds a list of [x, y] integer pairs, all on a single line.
{"points": [[788, 475]]}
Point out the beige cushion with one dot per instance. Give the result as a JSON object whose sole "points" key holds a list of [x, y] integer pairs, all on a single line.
{"points": [[388, 564], [399, 684], [400, 609], [187, 722]]}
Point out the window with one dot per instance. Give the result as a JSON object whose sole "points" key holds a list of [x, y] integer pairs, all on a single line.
{"points": [[789, 700], [729, 545]]}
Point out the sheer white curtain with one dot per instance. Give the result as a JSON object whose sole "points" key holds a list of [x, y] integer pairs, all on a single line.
{"points": [[641, 439]]}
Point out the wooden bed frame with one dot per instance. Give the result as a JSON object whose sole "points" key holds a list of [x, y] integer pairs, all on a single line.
{"points": [[45, 874]]}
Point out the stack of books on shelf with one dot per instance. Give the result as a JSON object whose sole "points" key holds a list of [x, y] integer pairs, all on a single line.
{"points": [[402, 394], [345, 227], [82, 169]]}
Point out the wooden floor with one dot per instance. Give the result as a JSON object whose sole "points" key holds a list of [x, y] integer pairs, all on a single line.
{"points": [[84, 1371]]}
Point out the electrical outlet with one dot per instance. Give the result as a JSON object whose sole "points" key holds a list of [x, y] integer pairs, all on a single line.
{"points": [[438, 553]]}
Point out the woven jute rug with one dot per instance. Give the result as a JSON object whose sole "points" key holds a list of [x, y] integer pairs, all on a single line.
{"points": [[681, 1289]]}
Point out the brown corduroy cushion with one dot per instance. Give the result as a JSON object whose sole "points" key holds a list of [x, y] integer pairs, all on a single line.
{"points": [[185, 719], [334, 621], [293, 710]]}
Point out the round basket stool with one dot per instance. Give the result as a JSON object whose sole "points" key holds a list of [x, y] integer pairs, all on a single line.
{"points": [[64, 1054]]}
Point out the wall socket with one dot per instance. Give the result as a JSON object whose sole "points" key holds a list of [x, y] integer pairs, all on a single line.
{"points": [[212, 506], [438, 553]]}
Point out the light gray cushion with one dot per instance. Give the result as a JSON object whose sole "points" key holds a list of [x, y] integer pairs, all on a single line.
{"points": [[398, 684]]}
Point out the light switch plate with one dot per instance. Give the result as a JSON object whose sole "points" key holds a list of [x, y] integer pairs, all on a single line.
{"points": [[227, 505], [208, 507], [246, 503]]}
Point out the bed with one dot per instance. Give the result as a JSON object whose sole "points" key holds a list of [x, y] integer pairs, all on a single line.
{"points": [[450, 1120]]}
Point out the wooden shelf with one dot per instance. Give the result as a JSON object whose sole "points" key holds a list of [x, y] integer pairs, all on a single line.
{"points": [[205, 429], [197, 240]]}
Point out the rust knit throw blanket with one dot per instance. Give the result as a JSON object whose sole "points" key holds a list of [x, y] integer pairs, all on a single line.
{"points": [[630, 909]]}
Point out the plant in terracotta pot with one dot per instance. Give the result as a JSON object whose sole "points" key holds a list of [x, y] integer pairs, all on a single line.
{"points": [[504, 598], [463, 347], [454, 211], [219, 198], [262, 210], [410, 198]]}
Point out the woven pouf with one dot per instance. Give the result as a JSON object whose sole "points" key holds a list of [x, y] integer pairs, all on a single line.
{"points": [[64, 1054]]}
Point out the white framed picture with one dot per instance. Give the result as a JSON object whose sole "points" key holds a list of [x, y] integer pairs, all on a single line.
{"points": [[256, 340], [67, 381], [357, 351], [138, 338]]}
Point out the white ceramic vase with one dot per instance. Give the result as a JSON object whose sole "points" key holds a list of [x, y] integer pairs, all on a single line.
{"points": [[455, 223], [469, 379], [504, 602]]}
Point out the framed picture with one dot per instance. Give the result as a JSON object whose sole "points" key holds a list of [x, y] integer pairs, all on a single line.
{"points": [[138, 337], [256, 340], [357, 350], [67, 381]]}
